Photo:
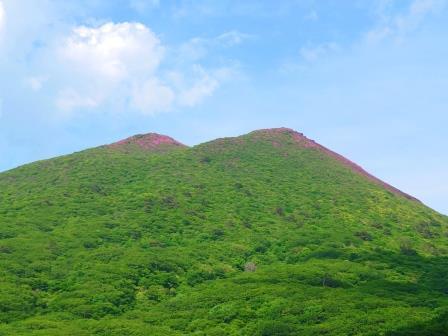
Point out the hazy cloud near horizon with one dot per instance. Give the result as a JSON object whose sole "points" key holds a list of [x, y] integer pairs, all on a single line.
{"points": [[367, 79]]}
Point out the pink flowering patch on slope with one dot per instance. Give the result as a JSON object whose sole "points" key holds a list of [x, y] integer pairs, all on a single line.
{"points": [[148, 141], [303, 141]]}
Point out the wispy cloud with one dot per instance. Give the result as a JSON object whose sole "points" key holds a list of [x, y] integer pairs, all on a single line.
{"points": [[35, 82], [125, 59], [2, 16], [144, 5], [101, 66], [399, 25], [232, 38], [70, 99], [202, 87], [392, 24], [152, 96], [313, 53], [118, 67], [312, 16], [199, 47]]}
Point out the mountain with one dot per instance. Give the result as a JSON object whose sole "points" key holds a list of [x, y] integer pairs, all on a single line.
{"points": [[268, 233]]}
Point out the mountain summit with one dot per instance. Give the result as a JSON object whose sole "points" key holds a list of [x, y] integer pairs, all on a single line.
{"points": [[268, 233], [148, 141], [303, 141]]}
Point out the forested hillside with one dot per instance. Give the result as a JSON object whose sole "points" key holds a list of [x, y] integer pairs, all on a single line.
{"points": [[268, 233]]}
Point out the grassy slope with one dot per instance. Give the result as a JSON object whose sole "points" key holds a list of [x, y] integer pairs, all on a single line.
{"points": [[115, 242]]}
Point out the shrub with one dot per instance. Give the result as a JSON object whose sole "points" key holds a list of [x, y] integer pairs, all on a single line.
{"points": [[275, 328], [250, 267], [364, 235]]}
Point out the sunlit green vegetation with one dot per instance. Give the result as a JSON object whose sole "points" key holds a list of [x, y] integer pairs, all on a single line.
{"points": [[240, 236]]}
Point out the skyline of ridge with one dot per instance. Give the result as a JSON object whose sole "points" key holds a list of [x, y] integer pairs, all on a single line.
{"points": [[365, 78], [151, 141]]}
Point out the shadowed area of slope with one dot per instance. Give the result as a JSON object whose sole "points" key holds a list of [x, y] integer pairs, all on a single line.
{"points": [[254, 235]]}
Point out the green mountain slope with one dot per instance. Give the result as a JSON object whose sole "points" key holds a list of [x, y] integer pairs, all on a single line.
{"points": [[264, 234]]}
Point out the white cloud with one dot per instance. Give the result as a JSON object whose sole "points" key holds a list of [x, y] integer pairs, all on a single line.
{"points": [[113, 51], [195, 49], [203, 86], [152, 96], [198, 84], [309, 55], [107, 63], [119, 64], [313, 53], [2, 16], [232, 38], [36, 83], [69, 99], [111, 67], [399, 25]]}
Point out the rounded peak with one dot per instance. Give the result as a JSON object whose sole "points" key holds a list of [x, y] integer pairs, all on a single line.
{"points": [[277, 135], [147, 141], [275, 132]]}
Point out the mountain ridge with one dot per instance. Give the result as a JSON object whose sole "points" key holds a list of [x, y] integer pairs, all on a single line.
{"points": [[153, 141], [261, 234]]}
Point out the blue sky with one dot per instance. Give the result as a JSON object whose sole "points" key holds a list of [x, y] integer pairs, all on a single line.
{"points": [[366, 78]]}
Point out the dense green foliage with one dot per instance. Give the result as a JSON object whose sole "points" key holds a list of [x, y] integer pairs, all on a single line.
{"points": [[253, 235]]}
